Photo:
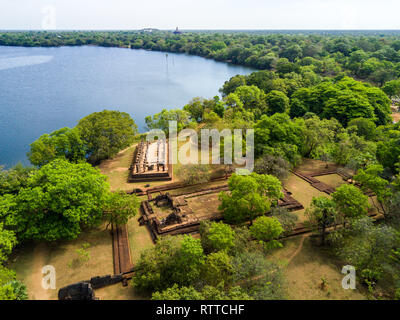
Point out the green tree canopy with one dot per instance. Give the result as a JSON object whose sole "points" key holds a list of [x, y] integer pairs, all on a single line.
{"points": [[250, 196], [161, 120], [350, 202], [120, 207], [253, 99], [277, 102], [12, 180], [106, 133], [64, 143], [173, 260], [363, 127], [267, 229], [207, 293], [218, 269], [10, 288], [392, 88], [59, 200], [371, 180], [321, 214], [216, 236], [272, 164]]}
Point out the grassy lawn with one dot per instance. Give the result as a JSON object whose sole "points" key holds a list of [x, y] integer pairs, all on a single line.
{"points": [[333, 180], [197, 188], [117, 169], [303, 192], [29, 260], [139, 239], [305, 267]]}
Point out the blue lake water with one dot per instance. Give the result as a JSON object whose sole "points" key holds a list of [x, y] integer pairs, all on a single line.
{"points": [[44, 89]]}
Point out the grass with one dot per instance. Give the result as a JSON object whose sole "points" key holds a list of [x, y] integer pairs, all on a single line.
{"points": [[190, 189], [29, 260], [139, 239], [117, 169], [309, 267], [303, 192], [64, 257], [333, 180]]}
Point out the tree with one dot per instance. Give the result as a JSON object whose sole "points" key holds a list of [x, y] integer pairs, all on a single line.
{"points": [[231, 85], [318, 135], [218, 269], [10, 288], [173, 260], [105, 133], [267, 229], [216, 236], [250, 196], [286, 218], [261, 79], [12, 180], [350, 202], [207, 293], [353, 151], [370, 180], [260, 277], [388, 150], [272, 165], [196, 109], [194, 173], [8, 241], [120, 207], [348, 105], [64, 143], [292, 52], [363, 127], [59, 200], [368, 248], [342, 98], [321, 214], [161, 120], [277, 102], [393, 210], [392, 88], [177, 293], [253, 99], [278, 132], [284, 66]]}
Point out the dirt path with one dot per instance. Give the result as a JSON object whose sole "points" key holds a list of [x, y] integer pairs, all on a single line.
{"points": [[298, 249], [37, 291]]}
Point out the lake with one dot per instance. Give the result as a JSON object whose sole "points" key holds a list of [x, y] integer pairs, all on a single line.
{"points": [[44, 89]]}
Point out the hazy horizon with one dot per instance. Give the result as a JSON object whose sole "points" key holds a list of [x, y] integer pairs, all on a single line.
{"points": [[206, 15]]}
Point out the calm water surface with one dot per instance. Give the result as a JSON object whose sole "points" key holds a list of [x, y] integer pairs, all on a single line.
{"points": [[44, 89]]}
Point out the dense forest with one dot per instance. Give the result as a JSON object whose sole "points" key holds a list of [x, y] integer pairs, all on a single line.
{"points": [[325, 97], [368, 56]]}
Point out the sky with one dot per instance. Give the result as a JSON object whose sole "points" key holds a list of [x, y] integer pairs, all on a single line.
{"points": [[199, 14]]}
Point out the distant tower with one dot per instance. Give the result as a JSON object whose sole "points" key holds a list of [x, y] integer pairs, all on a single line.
{"points": [[177, 31]]}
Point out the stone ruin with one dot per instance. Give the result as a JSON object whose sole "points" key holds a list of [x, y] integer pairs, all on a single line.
{"points": [[172, 215], [84, 290], [77, 291], [151, 162]]}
